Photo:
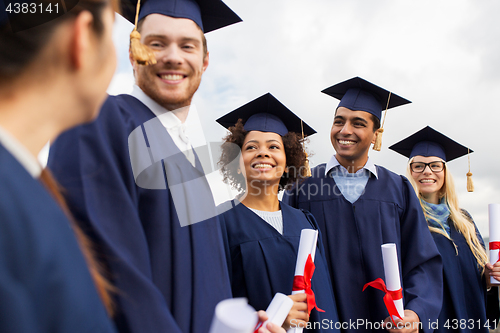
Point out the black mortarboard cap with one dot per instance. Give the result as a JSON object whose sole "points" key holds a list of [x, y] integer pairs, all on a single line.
{"points": [[357, 94], [209, 15], [266, 114], [429, 142]]}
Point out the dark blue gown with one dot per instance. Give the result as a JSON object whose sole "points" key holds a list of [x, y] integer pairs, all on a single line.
{"points": [[464, 294], [45, 285], [262, 262], [170, 277], [387, 212]]}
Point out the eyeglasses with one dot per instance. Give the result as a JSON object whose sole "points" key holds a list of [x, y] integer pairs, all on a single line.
{"points": [[419, 167]]}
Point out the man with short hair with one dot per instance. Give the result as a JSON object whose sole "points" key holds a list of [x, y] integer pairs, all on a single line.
{"points": [[360, 206], [125, 175]]}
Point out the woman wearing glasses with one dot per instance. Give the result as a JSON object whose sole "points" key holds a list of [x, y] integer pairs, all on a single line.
{"points": [[453, 230]]}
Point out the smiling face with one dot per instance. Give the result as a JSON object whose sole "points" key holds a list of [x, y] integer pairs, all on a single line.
{"points": [[181, 61], [263, 159], [351, 135], [429, 183]]}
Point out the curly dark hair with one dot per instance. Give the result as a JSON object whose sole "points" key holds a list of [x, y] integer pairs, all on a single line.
{"points": [[296, 158]]}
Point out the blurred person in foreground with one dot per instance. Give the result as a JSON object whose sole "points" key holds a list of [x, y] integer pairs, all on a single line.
{"points": [[55, 67]]}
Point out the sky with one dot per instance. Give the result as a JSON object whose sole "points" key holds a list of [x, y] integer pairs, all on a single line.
{"points": [[443, 55]]}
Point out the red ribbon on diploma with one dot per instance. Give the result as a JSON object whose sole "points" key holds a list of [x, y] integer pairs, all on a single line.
{"points": [[495, 246], [304, 283], [389, 298]]}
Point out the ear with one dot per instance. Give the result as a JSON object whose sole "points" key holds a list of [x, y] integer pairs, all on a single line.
{"points": [[375, 135], [81, 39], [206, 61]]}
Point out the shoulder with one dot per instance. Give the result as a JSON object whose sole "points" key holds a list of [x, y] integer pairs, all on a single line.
{"points": [[318, 171], [467, 215], [391, 178]]}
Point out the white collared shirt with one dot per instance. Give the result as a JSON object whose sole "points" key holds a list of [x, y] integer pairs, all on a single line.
{"points": [[20, 153], [185, 135], [351, 185], [368, 166]]}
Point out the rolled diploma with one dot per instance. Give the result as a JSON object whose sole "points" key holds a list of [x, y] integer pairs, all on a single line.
{"points": [[278, 309], [234, 315], [494, 221], [307, 245], [391, 270]]}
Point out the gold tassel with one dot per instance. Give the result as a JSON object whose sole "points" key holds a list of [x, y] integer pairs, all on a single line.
{"points": [[141, 53], [378, 141], [308, 168], [307, 172], [470, 184]]}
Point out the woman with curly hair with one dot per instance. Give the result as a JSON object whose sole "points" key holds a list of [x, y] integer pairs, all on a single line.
{"points": [[455, 233], [262, 154]]}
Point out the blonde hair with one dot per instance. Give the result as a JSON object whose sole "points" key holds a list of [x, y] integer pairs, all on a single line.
{"points": [[461, 219]]}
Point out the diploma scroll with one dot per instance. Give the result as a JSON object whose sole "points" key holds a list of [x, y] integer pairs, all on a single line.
{"points": [[277, 310], [494, 245], [392, 277], [306, 252], [234, 315]]}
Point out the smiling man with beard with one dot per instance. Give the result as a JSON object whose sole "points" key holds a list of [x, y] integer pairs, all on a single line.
{"points": [[119, 173], [360, 206]]}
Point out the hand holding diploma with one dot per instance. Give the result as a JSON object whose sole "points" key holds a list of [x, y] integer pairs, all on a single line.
{"points": [[304, 270], [393, 298], [235, 315]]}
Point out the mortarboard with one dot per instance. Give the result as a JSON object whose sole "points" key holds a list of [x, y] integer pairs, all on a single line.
{"points": [[266, 114], [357, 94], [429, 142], [209, 15]]}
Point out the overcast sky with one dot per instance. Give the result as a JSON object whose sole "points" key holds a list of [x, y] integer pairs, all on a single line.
{"points": [[444, 56]]}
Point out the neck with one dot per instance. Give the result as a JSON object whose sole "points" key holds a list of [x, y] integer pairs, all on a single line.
{"points": [[432, 198], [263, 197], [37, 114], [181, 113], [352, 165]]}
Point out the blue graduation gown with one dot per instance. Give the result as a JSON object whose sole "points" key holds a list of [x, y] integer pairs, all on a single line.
{"points": [[262, 262], [387, 212], [45, 285], [170, 277], [464, 293]]}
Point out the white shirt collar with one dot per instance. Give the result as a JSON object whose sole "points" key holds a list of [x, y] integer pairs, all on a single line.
{"points": [[192, 126], [20, 153], [332, 163]]}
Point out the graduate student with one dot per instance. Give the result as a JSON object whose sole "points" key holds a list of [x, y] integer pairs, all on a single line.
{"points": [[54, 71], [261, 233], [124, 177], [360, 206], [453, 229]]}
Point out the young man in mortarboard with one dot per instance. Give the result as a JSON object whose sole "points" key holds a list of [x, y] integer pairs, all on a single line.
{"points": [[360, 206], [131, 177]]}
